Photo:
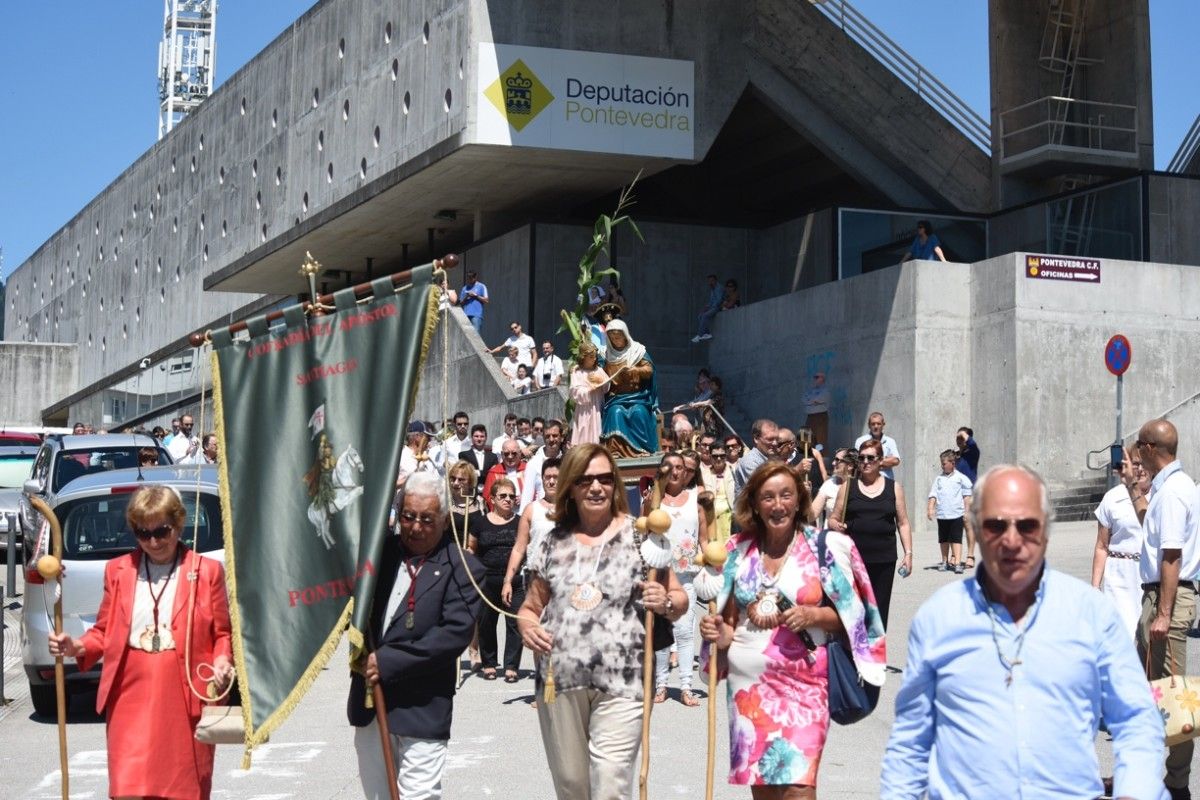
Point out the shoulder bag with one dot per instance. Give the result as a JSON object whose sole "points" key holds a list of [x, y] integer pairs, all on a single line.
{"points": [[850, 697], [219, 724], [1178, 700]]}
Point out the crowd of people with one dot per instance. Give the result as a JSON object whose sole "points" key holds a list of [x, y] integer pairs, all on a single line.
{"points": [[532, 531]]}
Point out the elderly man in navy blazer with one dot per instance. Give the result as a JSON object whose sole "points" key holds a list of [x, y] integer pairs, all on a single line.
{"points": [[423, 618]]}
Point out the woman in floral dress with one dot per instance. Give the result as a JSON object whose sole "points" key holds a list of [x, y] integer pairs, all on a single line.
{"points": [[772, 625]]}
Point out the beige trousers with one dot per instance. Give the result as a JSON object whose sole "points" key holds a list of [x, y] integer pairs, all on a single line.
{"points": [[591, 740], [1179, 757]]}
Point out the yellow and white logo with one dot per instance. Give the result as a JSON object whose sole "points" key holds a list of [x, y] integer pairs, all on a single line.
{"points": [[519, 95]]}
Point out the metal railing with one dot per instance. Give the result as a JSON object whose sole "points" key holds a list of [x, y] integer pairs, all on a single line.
{"points": [[952, 107], [1065, 122], [1187, 148]]}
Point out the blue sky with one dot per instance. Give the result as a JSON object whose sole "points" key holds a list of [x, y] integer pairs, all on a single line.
{"points": [[78, 102]]}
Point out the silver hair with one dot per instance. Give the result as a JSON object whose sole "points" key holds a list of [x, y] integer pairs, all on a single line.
{"points": [[426, 484], [981, 487]]}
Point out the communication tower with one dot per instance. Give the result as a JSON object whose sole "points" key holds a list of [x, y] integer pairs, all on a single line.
{"points": [[186, 58]]}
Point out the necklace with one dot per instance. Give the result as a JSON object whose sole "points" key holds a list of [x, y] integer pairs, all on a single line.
{"points": [[1008, 663], [764, 611], [151, 639], [586, 595], [410, 618]]}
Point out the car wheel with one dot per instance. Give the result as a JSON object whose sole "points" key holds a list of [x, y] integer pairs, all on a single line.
{"points": [[45, 700]]}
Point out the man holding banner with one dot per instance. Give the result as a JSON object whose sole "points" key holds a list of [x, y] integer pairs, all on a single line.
{"points": [[423, 617]]}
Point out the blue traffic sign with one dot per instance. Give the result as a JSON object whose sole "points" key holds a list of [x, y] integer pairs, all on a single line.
{"points": [[1118, 355]]}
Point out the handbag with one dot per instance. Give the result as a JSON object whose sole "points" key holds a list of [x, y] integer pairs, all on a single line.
{"points": [[1178, 700], [219, 724], [850, 697]]}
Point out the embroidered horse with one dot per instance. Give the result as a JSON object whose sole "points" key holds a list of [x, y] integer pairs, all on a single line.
{"points": [[346, 480]]}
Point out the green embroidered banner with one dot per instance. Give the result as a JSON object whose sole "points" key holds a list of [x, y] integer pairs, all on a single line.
{"points": [[311, 421]]}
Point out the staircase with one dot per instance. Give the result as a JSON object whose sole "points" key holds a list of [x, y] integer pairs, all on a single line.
{"points": [[1078, 500], [677, 385]]}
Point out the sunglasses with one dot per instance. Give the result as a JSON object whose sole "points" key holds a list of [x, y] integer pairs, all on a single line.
{"points": [[867, 459], [413, 519], [145, 535], [604, 478], [998, 526], [505, 496]]}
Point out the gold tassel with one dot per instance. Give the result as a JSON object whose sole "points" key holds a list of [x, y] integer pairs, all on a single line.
{"points": [[549, 692]]}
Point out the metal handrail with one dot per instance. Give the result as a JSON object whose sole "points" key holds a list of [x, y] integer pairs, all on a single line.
{"points": [[1187, 148], [891, 55]]}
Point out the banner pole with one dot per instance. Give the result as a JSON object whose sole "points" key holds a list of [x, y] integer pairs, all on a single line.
{"points": [[361, 290], [385, 740]]}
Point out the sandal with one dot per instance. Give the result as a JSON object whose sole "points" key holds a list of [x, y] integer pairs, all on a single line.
{"points": [[688, 699], [473, 655], [489, 673], [660, 696], [970, 562], [510, 676]]}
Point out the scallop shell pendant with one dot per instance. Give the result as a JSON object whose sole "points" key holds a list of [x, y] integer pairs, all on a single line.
{"points": [[586, 596]]}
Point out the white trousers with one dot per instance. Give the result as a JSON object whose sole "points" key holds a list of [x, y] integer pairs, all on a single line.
{"points": [[419, 765], [591, 740]]}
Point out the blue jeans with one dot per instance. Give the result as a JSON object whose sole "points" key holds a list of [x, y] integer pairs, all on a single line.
{"points": [[706, 318], [477, 323]]}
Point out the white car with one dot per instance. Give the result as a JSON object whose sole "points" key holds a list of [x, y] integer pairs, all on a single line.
{"points": [[91, 511]]}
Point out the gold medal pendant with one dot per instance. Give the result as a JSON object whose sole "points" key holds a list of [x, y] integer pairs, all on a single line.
{"points": [[586, 596]]}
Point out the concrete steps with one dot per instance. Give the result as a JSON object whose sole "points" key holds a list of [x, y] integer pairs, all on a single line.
{"points": [[1078, 500]]}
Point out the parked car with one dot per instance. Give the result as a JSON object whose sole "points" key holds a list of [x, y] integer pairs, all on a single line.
{"points": [[63, 458], [15, 466], [10, 438], [91, 511]]}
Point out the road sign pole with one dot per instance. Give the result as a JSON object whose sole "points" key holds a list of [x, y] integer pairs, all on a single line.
{"points": [[1112, 477]]}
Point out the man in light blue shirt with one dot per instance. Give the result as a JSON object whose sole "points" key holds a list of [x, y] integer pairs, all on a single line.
{"points": [[1009, 673], [710, 310], [472, 298], [891, 453]]}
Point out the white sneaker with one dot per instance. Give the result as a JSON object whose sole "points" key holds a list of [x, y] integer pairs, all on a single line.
{"points": [[705, 337], [697, 339]]}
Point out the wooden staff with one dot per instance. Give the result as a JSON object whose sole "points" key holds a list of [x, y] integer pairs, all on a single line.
{"points": [[385, 735], [713, 555], [656, 522], [50, 568]]}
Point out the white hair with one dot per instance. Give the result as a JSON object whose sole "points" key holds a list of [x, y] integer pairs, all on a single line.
{"points": [[425, 484]]}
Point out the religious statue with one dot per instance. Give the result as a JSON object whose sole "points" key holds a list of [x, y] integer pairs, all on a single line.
{"points": [[630, 427], [588, 383]]}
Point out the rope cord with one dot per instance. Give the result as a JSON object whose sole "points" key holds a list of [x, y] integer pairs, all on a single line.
{"points": [[462, 553]]}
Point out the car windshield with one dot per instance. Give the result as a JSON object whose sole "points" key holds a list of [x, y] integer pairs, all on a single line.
{"points": [[72, 465], [94, 528], [14, 470]]}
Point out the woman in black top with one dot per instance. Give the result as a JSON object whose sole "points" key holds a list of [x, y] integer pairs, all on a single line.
{"points": [[870, 510], [492, 543]]}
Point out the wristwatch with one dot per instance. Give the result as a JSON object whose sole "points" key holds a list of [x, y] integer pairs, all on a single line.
{"points": [[670, 605]]}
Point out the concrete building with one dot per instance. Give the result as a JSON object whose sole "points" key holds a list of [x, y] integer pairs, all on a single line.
{"points": [[787, 145]]}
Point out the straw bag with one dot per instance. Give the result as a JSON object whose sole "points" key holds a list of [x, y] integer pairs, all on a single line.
{"points": [[1178, 700], [219, 724]]}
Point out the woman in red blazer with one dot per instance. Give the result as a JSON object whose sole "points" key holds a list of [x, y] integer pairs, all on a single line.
{"points": [[141, 633]]}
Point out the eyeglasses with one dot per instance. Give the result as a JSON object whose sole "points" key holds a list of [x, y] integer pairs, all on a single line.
{"points": [[788, 443], [604, 478], [145, 535], [1027, 527], [505, 496], [186, 425], [867, 459], [413, 519]]}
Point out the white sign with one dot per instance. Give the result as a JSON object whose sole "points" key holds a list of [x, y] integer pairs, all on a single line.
{"points": [[573, 100]]}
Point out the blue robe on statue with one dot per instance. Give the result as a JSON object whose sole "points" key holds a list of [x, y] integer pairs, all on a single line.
{"points": [[632, 415]]}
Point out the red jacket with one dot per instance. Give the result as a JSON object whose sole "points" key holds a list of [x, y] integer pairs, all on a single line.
{"points": [[496, 473], [109, 637]]}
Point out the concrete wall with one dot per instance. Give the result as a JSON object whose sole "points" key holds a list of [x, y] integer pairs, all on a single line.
{"points": [[1174, 207], [934, 346], [474, 382], [32, 374], [275, 143]]}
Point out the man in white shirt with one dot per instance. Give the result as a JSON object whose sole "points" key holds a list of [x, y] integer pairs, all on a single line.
{"points": [[421, 453], [891, 453], [532, 488], [184, 445], [1169, 566], [461, 440], [549, 369], [522, 341], [510, 432]]}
